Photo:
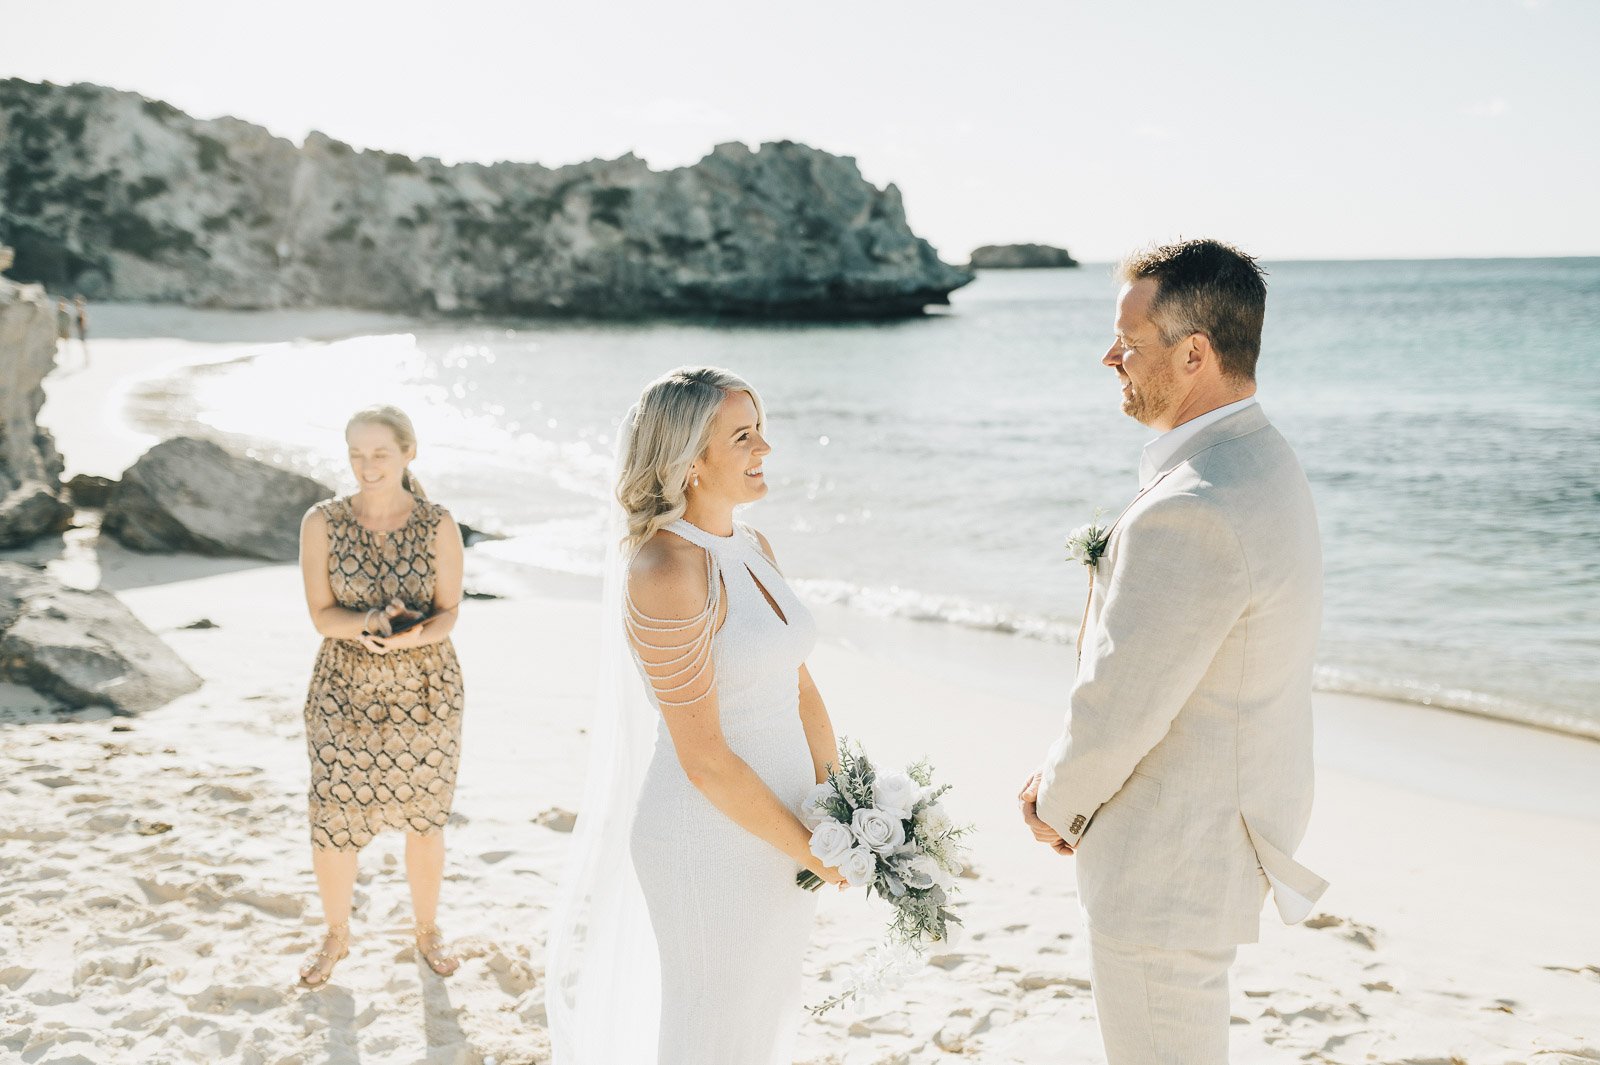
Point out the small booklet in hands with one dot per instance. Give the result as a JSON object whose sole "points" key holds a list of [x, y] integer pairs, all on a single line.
{"points": [[394, 619]]}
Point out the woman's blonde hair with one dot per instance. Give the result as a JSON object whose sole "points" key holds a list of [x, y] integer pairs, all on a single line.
{"points": [[664, 433], [397, 422]]}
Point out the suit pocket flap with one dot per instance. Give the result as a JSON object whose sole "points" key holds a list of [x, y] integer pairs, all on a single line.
{"points": [[1139, 792]]}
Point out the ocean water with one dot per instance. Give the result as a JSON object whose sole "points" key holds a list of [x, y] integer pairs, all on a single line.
{"points": [[1446, 412]]}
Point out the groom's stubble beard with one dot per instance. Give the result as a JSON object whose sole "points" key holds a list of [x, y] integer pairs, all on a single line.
{"points": [[1146, 402]]}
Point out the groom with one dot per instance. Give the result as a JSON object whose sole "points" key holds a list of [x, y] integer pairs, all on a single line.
{"points": [[1182, 780]]}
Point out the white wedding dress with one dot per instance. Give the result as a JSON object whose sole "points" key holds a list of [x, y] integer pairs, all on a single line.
{"points": [[731, 925]]}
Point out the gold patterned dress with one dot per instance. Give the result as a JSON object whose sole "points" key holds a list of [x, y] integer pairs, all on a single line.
{"points": [[383, 731]]}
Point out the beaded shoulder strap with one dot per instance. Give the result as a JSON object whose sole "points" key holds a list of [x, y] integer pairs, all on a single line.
{"points": [[687, 642]]}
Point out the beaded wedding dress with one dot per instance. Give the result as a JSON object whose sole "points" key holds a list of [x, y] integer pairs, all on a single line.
{"points": [[730, 923], [679, 936]]}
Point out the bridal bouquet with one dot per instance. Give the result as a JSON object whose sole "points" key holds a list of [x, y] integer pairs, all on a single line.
{"points": [[887, 832]]}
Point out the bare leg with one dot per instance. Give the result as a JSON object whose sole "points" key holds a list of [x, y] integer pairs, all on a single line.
{"points": [[425, 874], [336, 883]]}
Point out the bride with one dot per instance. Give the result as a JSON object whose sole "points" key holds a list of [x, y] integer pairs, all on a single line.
{"points": [[681, 930]]}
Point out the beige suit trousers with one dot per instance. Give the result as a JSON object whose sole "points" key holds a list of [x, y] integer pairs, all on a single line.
{"points": [[1159, 1006]]}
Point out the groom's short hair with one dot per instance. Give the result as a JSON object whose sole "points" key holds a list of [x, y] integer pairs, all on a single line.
{"points": [[1206, 286]]}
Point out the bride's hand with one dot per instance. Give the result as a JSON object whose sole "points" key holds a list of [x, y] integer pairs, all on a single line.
{"points": [[830, 874]]}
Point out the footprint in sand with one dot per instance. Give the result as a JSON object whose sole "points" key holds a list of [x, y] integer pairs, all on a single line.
{"points": [[959, 1033], [106, 821], [221, 793], [1363, 935], [269, 902], [15, 976], [1042, 981], [1581, 970], [884, 1024], [1320, 1013], [251, 998], [557, 820], [515, 976]]}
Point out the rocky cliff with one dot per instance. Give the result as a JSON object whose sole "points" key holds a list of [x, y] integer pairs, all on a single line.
{"points": [[30, 467], [122, 197]]}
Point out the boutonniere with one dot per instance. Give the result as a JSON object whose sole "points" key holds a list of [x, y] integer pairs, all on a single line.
{"points": [[1087, 543]]}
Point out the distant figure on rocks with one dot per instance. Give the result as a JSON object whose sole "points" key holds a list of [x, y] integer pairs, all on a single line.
{"points": [[64, 320], [83, 327], [382, 570]]}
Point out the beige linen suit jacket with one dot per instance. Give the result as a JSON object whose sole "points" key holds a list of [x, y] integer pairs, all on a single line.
{"points": [[1184, 774]]}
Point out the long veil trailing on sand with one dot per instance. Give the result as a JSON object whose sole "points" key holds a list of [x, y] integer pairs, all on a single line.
{"points": [[602, 970]]}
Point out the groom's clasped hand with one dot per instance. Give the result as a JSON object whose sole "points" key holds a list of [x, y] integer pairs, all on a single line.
{"points": [[1028, 800]]}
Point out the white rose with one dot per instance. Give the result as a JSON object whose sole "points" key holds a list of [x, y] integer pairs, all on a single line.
{"points": [[814, 808], [879, 830], [895, 794], [1078, 542], [933, 822], [858, 866], [831, 841]]}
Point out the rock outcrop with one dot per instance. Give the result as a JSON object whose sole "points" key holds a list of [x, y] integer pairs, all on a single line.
{"points": [[1020, 257], [119, 196], [192, 495], [89, 490], [83, 648], [30, 467]]}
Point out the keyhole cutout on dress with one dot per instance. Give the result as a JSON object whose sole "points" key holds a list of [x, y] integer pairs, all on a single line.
{"points": [[773, 603]]}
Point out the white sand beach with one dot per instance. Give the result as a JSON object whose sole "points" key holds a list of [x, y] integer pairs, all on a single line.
{"points": [[157, 893]]}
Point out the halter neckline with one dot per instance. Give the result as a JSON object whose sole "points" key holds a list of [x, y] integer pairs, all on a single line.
{"points": [[710, 540]]}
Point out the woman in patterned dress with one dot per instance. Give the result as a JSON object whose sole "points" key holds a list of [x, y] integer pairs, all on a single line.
{"points": [[383, 715]]}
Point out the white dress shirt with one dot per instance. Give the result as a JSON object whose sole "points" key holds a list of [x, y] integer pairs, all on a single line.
{"points": [[1163, 447]]}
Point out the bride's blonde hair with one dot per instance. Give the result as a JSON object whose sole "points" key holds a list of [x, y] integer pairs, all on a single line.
{"points": [[396, 421], [664, 433]]}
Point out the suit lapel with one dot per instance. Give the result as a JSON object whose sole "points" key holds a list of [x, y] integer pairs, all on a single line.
{"points": [[1243, 423], [1234, 426]]}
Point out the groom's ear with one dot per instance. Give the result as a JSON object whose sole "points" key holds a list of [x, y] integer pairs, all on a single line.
{"points": [[1199, 353]]}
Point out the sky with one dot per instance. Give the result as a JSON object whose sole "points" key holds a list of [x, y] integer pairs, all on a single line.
{"points": [[1345, 129]]}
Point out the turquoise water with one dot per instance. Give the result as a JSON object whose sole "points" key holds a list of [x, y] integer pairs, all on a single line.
{"points": [[1446, 414]]}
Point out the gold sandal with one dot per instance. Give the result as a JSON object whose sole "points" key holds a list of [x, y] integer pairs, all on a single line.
{"points": [[340, 933], [441, 961]]}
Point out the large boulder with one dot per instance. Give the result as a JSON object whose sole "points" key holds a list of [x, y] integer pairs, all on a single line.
{"points": [[30, 467], [187, 494], [122, 197], [1020, 257], [83, 648], [31, 510]]}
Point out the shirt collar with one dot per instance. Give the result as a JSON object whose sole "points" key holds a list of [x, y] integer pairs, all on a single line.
{"points": [[1163, 447]]}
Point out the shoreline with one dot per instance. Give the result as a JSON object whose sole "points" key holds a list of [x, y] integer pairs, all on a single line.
{"points": [[98, 431]]}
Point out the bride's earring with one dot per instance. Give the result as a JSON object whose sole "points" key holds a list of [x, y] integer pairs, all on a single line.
{"points": [[696, 481]]}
